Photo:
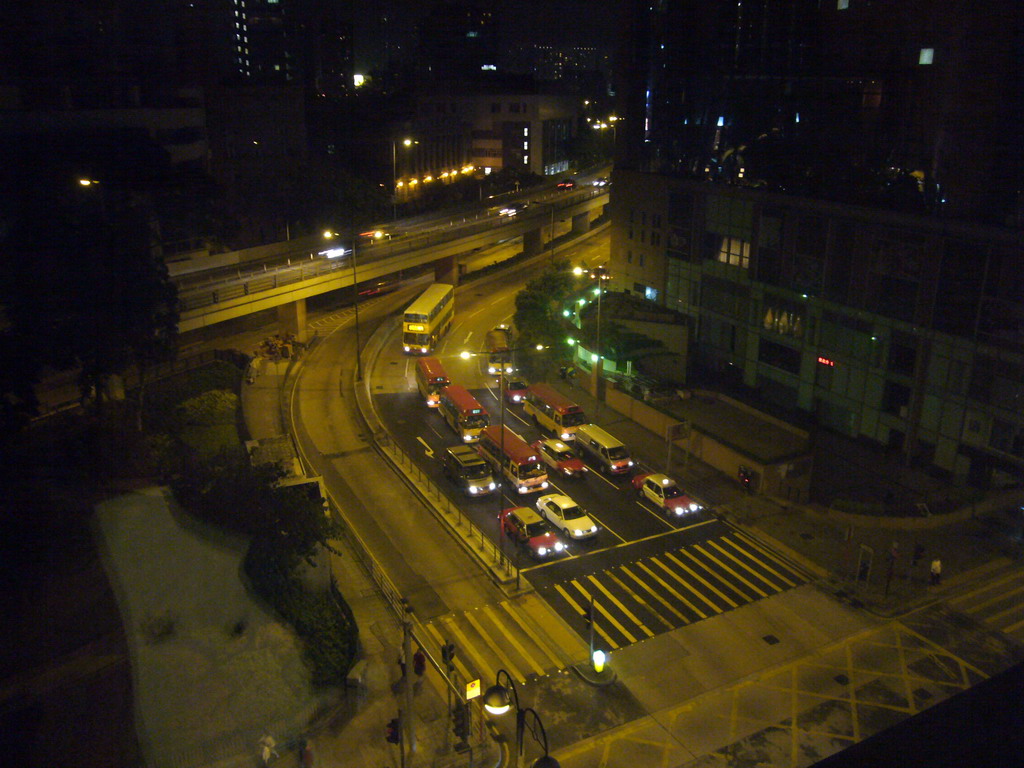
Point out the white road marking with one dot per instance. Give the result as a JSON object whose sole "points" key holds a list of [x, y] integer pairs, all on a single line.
{"points": [[659, 517]]}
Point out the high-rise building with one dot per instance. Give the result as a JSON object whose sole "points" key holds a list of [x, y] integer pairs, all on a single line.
{"points": [[830, 193]]}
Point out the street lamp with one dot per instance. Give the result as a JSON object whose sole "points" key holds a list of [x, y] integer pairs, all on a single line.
{"points": [[329, 235], [499, 699], [394, 174]]}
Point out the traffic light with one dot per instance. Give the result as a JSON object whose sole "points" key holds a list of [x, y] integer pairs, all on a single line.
{"points": [[448, 655], [460, 720], [394, 731]]}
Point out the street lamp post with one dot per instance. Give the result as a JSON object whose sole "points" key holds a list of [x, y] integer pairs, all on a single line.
{"points": [[394, 175], [328, 235], [499, 699]]}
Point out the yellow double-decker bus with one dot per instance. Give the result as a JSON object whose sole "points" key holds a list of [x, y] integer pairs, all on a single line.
{"points": [[427, 319]]}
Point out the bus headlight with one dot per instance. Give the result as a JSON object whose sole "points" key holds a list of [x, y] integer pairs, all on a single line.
{"points": [[423, 350], [406, 347]]}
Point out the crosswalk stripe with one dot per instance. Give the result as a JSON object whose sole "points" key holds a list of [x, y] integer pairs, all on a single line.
{"points": [[562, 640], [656, 596], [547, 651], [700, 578], [689, 586], [1013, 627], [495, 648], [584, 613], [771, 585], [618, 604], [767, 567], [743, 579], [984, 588], [1006, 611], [459, 665], [482, 667], [774, 556], [510, 636], [638, 598], [975, 607], [604, 612]]}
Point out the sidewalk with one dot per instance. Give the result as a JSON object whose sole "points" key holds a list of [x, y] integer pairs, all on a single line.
{"points": [[352, 732], [828, 550]]}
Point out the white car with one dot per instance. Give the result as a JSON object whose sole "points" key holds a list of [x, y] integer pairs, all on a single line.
{"points": [[566, 516], [663, 491]]}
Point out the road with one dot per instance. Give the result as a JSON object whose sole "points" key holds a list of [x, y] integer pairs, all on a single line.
{"points": [[725, 653]]}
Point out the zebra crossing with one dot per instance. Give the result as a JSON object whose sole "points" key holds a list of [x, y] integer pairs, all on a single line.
{"points": [[998, 603], [521, 635], [658, 593]]}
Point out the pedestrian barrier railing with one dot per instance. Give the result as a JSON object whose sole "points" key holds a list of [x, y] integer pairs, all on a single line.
{"points": [[450, 513]]}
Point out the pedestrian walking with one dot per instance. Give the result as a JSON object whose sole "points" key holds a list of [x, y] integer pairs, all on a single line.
{"points": [[266, 745], [936, 572]]}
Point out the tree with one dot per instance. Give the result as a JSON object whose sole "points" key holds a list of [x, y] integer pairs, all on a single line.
{"points": [[82, 280], [538, 315]]}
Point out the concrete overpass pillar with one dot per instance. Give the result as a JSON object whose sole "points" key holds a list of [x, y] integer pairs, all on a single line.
{"points": [[533, 241], [581, 223], [292, 319], [446, 270]]}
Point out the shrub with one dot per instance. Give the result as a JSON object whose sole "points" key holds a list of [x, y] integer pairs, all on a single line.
{"points": [[215, 406]]}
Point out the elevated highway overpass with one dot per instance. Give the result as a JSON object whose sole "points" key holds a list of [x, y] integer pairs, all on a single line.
{"points": [[227, 286]]}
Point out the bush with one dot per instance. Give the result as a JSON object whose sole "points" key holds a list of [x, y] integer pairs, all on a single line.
{"points": [[163, 396], [215, 406]]}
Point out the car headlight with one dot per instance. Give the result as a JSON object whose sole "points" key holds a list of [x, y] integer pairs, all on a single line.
{"points": [[629, 463], [544, 484], [577, 532], [542, 551], [468, 438], [509, 369], [593, 529], [567, 471], [559, 546], [491, 487], [516, 398], [679, 510], [473, 489], [566, 435], [694, 507]]}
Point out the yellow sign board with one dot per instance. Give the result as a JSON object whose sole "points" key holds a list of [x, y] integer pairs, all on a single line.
{"points": [[472, 689]]}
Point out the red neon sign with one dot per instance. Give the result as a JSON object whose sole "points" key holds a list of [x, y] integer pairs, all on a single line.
{"points": [[826, 361]]}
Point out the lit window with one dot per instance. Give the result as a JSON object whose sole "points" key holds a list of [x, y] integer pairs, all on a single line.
{"points": [[926, 56], [842, 5], [526, 131], [526, 145], [735, 251], [526, 159]]}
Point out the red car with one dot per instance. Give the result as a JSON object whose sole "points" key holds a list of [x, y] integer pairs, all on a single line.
{"points": [[526, 527], [663, 491], [560, 457], [515, 390]]}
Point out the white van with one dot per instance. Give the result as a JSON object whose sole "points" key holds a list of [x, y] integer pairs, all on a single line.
{"points": [[606, 451]]}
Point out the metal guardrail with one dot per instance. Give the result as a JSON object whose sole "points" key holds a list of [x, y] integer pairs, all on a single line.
{"points": [[449, 513]]}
